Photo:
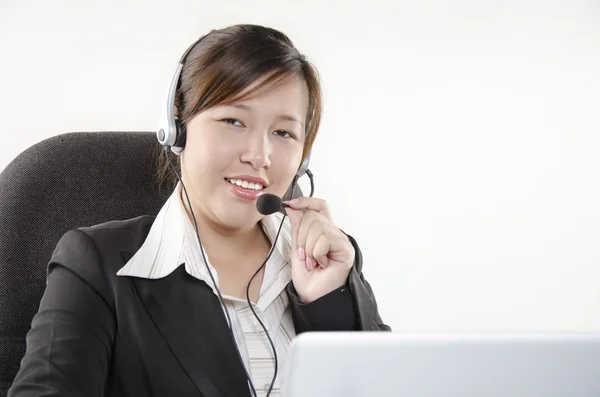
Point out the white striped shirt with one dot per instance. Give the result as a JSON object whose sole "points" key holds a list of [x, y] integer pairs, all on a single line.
{"points": [[172, 241]]}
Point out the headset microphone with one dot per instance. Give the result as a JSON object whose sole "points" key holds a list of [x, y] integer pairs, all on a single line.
{"points": [[268, 204]]}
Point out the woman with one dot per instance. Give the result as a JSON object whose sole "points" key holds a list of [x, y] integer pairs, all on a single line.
{"points": [[140, 308]]}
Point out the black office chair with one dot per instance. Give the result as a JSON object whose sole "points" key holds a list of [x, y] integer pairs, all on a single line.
{"points": [[65, 182]]}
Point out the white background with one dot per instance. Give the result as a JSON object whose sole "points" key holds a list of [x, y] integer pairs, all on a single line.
{"points": [[460, 141]]}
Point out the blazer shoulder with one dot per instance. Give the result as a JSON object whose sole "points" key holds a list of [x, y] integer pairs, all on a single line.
{"points": [[127, 230], [108, 245]]}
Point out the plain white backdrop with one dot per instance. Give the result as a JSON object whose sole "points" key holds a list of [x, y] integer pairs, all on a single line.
{"points": [[460, 143]]}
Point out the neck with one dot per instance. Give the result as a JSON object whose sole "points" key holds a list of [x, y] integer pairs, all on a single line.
{"points": [[221, 242]]}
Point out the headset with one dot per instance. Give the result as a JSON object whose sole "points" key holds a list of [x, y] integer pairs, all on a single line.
{"points": [[171, 134]]}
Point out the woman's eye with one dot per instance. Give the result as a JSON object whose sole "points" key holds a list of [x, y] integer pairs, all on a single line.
{"points": [[284, 134], [233, 122]]}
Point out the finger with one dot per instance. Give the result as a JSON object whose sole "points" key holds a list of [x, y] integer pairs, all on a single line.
{"points": [[329, 243], [315, 231], [305, 224], [339, 247], [295, 220], [311, 203], [321, 249]]}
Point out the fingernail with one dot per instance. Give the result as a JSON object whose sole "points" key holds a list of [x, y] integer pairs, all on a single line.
{"points": [[301, 253], [293, 201], [309, 264]]}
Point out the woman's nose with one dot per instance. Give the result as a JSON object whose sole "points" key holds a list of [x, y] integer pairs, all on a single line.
{"points": [[258, 151]]}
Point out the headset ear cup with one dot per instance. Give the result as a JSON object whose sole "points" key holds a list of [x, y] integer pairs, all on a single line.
{"points": [[180, 138]]}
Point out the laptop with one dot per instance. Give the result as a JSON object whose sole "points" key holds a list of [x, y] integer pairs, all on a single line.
{"points": [[362, 364]]}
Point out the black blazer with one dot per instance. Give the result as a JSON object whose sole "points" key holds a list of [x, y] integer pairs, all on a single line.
{"points": [[99, 334]]}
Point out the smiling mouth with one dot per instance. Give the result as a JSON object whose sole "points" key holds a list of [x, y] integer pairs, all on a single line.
{"points": [[257, 187]]}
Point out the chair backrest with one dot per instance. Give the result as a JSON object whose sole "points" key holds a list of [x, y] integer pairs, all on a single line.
{"points": [[68, 181]]}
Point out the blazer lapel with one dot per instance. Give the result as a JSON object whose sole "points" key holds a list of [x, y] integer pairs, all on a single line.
{"points": [[190, 318]]}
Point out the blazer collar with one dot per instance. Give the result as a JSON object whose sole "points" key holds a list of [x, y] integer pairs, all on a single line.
{"points": [[172, 242]]}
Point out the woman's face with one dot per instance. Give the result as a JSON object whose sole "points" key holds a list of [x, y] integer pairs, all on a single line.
{"points": [[256, 143]]}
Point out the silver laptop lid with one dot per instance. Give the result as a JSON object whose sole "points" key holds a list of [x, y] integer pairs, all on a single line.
{"points": [[444, 365]]}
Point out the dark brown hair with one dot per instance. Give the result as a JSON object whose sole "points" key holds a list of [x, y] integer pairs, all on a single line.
{"points": [[225, 63]]}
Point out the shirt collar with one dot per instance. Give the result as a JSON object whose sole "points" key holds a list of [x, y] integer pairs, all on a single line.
{"points": [[172, 242]]}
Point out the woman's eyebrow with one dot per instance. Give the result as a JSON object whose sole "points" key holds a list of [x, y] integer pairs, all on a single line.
{"points": [[285, 117]]}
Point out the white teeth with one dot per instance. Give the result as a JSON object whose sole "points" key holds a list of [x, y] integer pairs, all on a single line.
{"points": [[246, 184]]}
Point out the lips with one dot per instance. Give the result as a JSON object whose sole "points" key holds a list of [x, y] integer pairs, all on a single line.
{"points": [[246, 184], [244, 193]]}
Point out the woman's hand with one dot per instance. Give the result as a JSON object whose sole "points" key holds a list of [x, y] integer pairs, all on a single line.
{"points": [[322, 256]]}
